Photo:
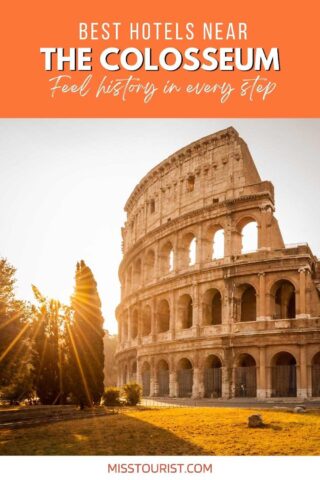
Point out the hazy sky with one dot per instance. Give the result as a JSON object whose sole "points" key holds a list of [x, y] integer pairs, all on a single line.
{"points": [[64, 183]]}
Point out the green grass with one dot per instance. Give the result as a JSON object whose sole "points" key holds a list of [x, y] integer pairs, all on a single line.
{"points": [[172, 431]]}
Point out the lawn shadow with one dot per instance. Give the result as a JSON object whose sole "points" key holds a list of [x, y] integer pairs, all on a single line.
{"points": [[118, 434], [144, 438]]}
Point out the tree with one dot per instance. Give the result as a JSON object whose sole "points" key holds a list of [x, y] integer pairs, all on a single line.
{"points": [[14, 330], [85, 339], [49, 349]]}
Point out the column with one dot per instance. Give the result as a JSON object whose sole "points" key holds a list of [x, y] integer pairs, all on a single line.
{"points": [[302, 290], [199, 245], [157, 261], [172, 315], [154, 320], [196, 309], [139, 376], [225, 386], [227, 238], [139, 323], [302, 390], [129, 326], [262, 385], [262, 296], [235, 242], [196, 382], [264, 240], [176, 254], [233, 382], [173, 384], [154, 386]]}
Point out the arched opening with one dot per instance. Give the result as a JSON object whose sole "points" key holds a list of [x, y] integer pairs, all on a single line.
{"points": [[315, 369], [125, 326], [212, 377], [212, 307], [146, 375], [163, 314], [246, 377], [149, 265], [190, 183], [152, 205], [146, 321], [166, 258], [248, 311], [163, 378], [137, 273], [185, 307], [188, 250], [133, 376], [284, 375], [134, 324], [125, 375], [129, 280], [284, 299], [185, 378], [192, 252], [249, 237], [218, 245]]}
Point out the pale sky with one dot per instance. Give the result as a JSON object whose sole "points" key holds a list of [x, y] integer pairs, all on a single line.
{"points": [[64, 183]]}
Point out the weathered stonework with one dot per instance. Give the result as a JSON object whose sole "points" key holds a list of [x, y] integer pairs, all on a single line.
{"points": [[246, 324]]}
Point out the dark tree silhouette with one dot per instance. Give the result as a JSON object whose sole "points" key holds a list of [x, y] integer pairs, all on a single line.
{"points": [[14, 330], [85, 339], [48, 349]]}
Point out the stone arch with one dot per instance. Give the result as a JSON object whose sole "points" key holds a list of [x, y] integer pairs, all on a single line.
{"points": [[248, 230], [212, 377], [133, 373], [283, 295], [188, 249], [166, 258], [137, 273], [125, 375], [283, 375], [212, 307], [163, 378], [248, 303], [245, 376], [134, 323], [315, 369], [125, 327], [211, 244], [184, 377], [163, 316], [129, 279], [218, 244], [185, 311], [149, 265], [146, 378], [190, 183], [146, 321]]}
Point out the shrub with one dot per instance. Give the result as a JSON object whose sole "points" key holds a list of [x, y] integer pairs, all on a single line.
{"points": [[111, 397], [132, 393]]}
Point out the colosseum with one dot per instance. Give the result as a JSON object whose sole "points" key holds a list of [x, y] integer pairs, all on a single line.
{"points": [[201, 315]]}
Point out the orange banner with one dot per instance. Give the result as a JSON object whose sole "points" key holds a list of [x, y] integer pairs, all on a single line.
{"points": [[98, 59]]}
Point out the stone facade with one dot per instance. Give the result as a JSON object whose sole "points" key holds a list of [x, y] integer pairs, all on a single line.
{"points": [[195, 323]]}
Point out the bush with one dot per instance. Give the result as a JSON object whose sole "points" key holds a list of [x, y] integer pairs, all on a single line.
{"points": [[132, 393], [111, 397]]}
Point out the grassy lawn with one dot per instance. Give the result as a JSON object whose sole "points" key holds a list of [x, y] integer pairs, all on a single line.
{"points": [[172, 431]]}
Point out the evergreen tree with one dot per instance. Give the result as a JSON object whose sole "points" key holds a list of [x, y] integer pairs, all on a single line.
{"points": [[85, 339], [14, 329], [48, 349]]}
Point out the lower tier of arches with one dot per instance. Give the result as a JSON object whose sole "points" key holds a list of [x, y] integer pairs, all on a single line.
{"points": [[212, 377]]}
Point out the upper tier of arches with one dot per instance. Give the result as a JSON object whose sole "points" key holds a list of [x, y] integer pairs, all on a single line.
{"points": [[190, 248]]}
